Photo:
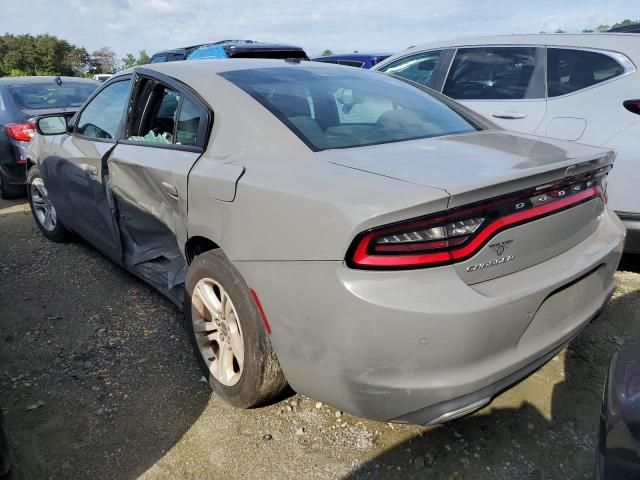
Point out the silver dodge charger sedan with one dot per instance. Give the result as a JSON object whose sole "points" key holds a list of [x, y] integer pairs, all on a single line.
{"points": [[374, 245]]}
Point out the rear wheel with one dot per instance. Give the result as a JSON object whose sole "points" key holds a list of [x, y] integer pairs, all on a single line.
{"points": [[227, 333], [42, 209]]}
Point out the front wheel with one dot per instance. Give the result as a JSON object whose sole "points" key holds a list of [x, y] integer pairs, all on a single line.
{"points": [[42, 209], [227, 333]]}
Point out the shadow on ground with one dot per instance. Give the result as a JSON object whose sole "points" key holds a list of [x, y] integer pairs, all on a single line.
{"points": [[96, 370], [517, 439], [630, 263]]}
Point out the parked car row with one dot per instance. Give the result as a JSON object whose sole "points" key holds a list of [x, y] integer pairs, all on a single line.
{"points": [[453, 257], [22, 99], [581, 88], [392, 196]]}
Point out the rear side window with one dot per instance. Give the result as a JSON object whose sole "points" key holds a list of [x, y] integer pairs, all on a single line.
{"points": [[571, 70], [163, 116], [335, 107], [491, 73], [417, 68], [187, 129], [51, 95]]}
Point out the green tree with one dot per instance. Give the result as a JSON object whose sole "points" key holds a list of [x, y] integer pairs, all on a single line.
{"points": [[326, 53], [41, 55], [143, 57], [103, 60], [625, 22], [128, 61]]}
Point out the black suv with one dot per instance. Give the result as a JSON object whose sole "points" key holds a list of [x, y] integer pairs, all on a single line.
{"points": [[231, 49]]}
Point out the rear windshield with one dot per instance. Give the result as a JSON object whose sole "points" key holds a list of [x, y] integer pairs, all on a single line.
{"points": [[50, 95], [337, 107]]}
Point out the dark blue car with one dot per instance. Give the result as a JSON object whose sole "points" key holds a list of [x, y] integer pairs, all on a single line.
{"points": [[359, 60], [618, 452]]}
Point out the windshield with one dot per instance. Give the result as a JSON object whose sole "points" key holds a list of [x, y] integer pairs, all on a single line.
{"points": [[50, 95], [336, 107]]}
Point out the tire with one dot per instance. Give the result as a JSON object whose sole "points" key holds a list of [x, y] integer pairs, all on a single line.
{"points": [[5, 451], [258, 377], [39, 202], [9, 191]]}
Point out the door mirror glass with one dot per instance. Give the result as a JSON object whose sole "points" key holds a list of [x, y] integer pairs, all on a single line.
{"points": [[345, 97], [52, 125]]}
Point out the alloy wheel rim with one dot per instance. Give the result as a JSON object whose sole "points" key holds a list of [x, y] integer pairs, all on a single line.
{"points": [[217, 331], [42, 207]]}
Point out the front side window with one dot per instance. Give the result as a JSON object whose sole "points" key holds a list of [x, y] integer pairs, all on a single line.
{"points": [[102, 116], [491, 73], [334, 107], [571, 70], [162, 116], [417, 68]]}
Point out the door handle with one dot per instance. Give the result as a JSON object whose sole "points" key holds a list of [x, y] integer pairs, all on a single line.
{"points": [[170, 189], [509, 115]]}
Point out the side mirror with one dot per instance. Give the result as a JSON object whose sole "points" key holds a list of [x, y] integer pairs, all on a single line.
{"points": [[53, 125]]}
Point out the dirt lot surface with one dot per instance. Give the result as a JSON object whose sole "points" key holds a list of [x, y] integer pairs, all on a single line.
{"points": [[97, 380]]}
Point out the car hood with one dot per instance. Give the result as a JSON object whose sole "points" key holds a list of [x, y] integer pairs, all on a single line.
{"points": [[475, 166]]}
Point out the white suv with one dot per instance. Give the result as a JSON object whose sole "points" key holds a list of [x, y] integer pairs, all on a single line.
{"points": [[583, 87]]}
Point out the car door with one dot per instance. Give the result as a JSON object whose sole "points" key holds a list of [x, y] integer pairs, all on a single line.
{"points": [[504, 83], [587, 89], [166, 132], [77, 176], [584, 97]]}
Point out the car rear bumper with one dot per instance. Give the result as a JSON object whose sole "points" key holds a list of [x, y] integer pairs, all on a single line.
{"points": [[632, 223], [421, 345], [13, 162], [14, 174]]}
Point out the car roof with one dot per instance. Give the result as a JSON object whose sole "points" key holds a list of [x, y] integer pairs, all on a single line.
{"points": [[201, 67], [243, 45], [593, 40], [43, 79]]}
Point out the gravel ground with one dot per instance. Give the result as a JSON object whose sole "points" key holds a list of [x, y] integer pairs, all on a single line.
{"points": [[97, 380]]}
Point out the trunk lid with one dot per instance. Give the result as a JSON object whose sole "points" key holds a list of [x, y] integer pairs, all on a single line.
{"points": [[473, 168]]}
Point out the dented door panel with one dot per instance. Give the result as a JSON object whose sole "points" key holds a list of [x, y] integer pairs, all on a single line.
{"points": [[149, 187]]}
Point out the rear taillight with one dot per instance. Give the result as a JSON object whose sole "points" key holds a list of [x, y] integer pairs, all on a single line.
{"points": [[632, 105], [456, 235], [23, 132]]}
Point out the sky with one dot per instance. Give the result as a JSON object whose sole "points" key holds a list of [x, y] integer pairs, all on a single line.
{"points": [[340, 25]]}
